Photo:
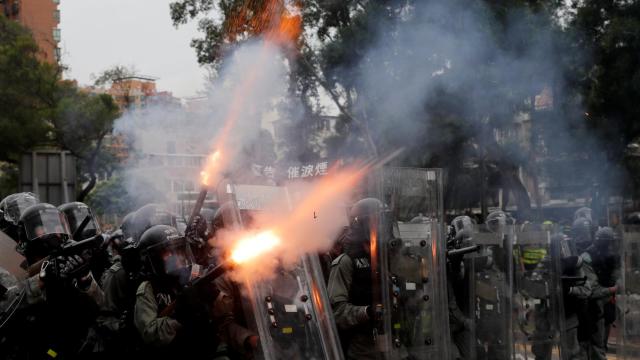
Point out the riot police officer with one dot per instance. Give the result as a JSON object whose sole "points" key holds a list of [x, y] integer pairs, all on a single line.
{"points": [[166, 319], [576, 292], [583, 213], [601, 266], [350, 284], [119, 282], [11, 208], [71, 294], [582, 234], [490, 281], [236, 339]]}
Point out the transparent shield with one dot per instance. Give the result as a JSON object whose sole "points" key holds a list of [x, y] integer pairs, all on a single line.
{"points": [[293, 314], [412, 251], [490, 281], [10, 259], [627, 333], [291, 310], [538, 299]]}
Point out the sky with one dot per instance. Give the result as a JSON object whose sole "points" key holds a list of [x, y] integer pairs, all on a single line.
{"points": [[97, 34]]}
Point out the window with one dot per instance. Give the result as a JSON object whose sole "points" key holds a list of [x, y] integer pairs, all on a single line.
{"points": [[56, 35], [56, 2], [171, 147], [58, 54], [189, 186], [56, 15]]}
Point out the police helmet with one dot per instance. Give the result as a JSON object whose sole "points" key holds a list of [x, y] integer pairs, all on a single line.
{"points": [[76, 213], [165, 255], [43, 228]]}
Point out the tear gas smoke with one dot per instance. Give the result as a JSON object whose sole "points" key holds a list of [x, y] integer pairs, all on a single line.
{"points": [[438, 72], [442, 48], [156, 131]]}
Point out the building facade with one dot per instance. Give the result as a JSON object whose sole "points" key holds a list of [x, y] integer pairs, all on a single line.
{"points": [[42, 17]]}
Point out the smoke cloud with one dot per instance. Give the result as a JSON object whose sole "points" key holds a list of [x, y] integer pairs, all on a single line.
{"points": [[241, 97], [439, 49], [443, 71]]}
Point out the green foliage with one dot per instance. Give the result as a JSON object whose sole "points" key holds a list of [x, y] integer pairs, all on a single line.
{"points": [[112, 74], [27, 90], [610, 80], [219, 32], [8, 179], [588, 53], [82, 122]]}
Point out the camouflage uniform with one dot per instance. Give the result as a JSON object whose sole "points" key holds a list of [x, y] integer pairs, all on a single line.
{"points": [[351, 319], [114, 326], [228, 311], [594, 346], [154, 330], [575, 299], [49, 327]]}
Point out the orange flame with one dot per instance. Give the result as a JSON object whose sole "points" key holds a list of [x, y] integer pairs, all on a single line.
{"points": [[253, 246], [288, 30], [282, 27], [211, 167]]}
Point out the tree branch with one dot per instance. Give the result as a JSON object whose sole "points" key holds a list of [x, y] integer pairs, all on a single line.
{"points": [[336, 99]]}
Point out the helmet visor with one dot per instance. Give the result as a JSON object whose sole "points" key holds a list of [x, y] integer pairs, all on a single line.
{"points": [[76, 216], [45, 222], [462, 222], [173, 258], [567, 248]]}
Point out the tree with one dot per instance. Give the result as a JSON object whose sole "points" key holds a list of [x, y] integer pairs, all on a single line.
{"points": [[470, 71], [240, 20], [27, 92], [609, 81], [82, 122], [117, 77]]}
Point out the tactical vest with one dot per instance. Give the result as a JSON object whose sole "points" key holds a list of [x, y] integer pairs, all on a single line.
{"points": [[361, 293], [604, 266]]}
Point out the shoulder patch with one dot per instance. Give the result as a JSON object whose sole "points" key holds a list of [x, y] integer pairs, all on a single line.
{"points": [[142, 288], [115, 267], [337, 260]]}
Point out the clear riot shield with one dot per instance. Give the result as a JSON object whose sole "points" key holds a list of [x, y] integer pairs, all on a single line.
{"points": [[490, 285], [538, 302], [412, 264], [10, 259], [627, 333], [291, 310], [12, 277]]}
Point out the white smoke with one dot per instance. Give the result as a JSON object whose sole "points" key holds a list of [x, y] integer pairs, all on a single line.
{"points": [[251, 80]]}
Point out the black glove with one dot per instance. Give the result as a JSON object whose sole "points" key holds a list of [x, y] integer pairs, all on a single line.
{"points": [[196, 231], [73, 266], [374, 312]]}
